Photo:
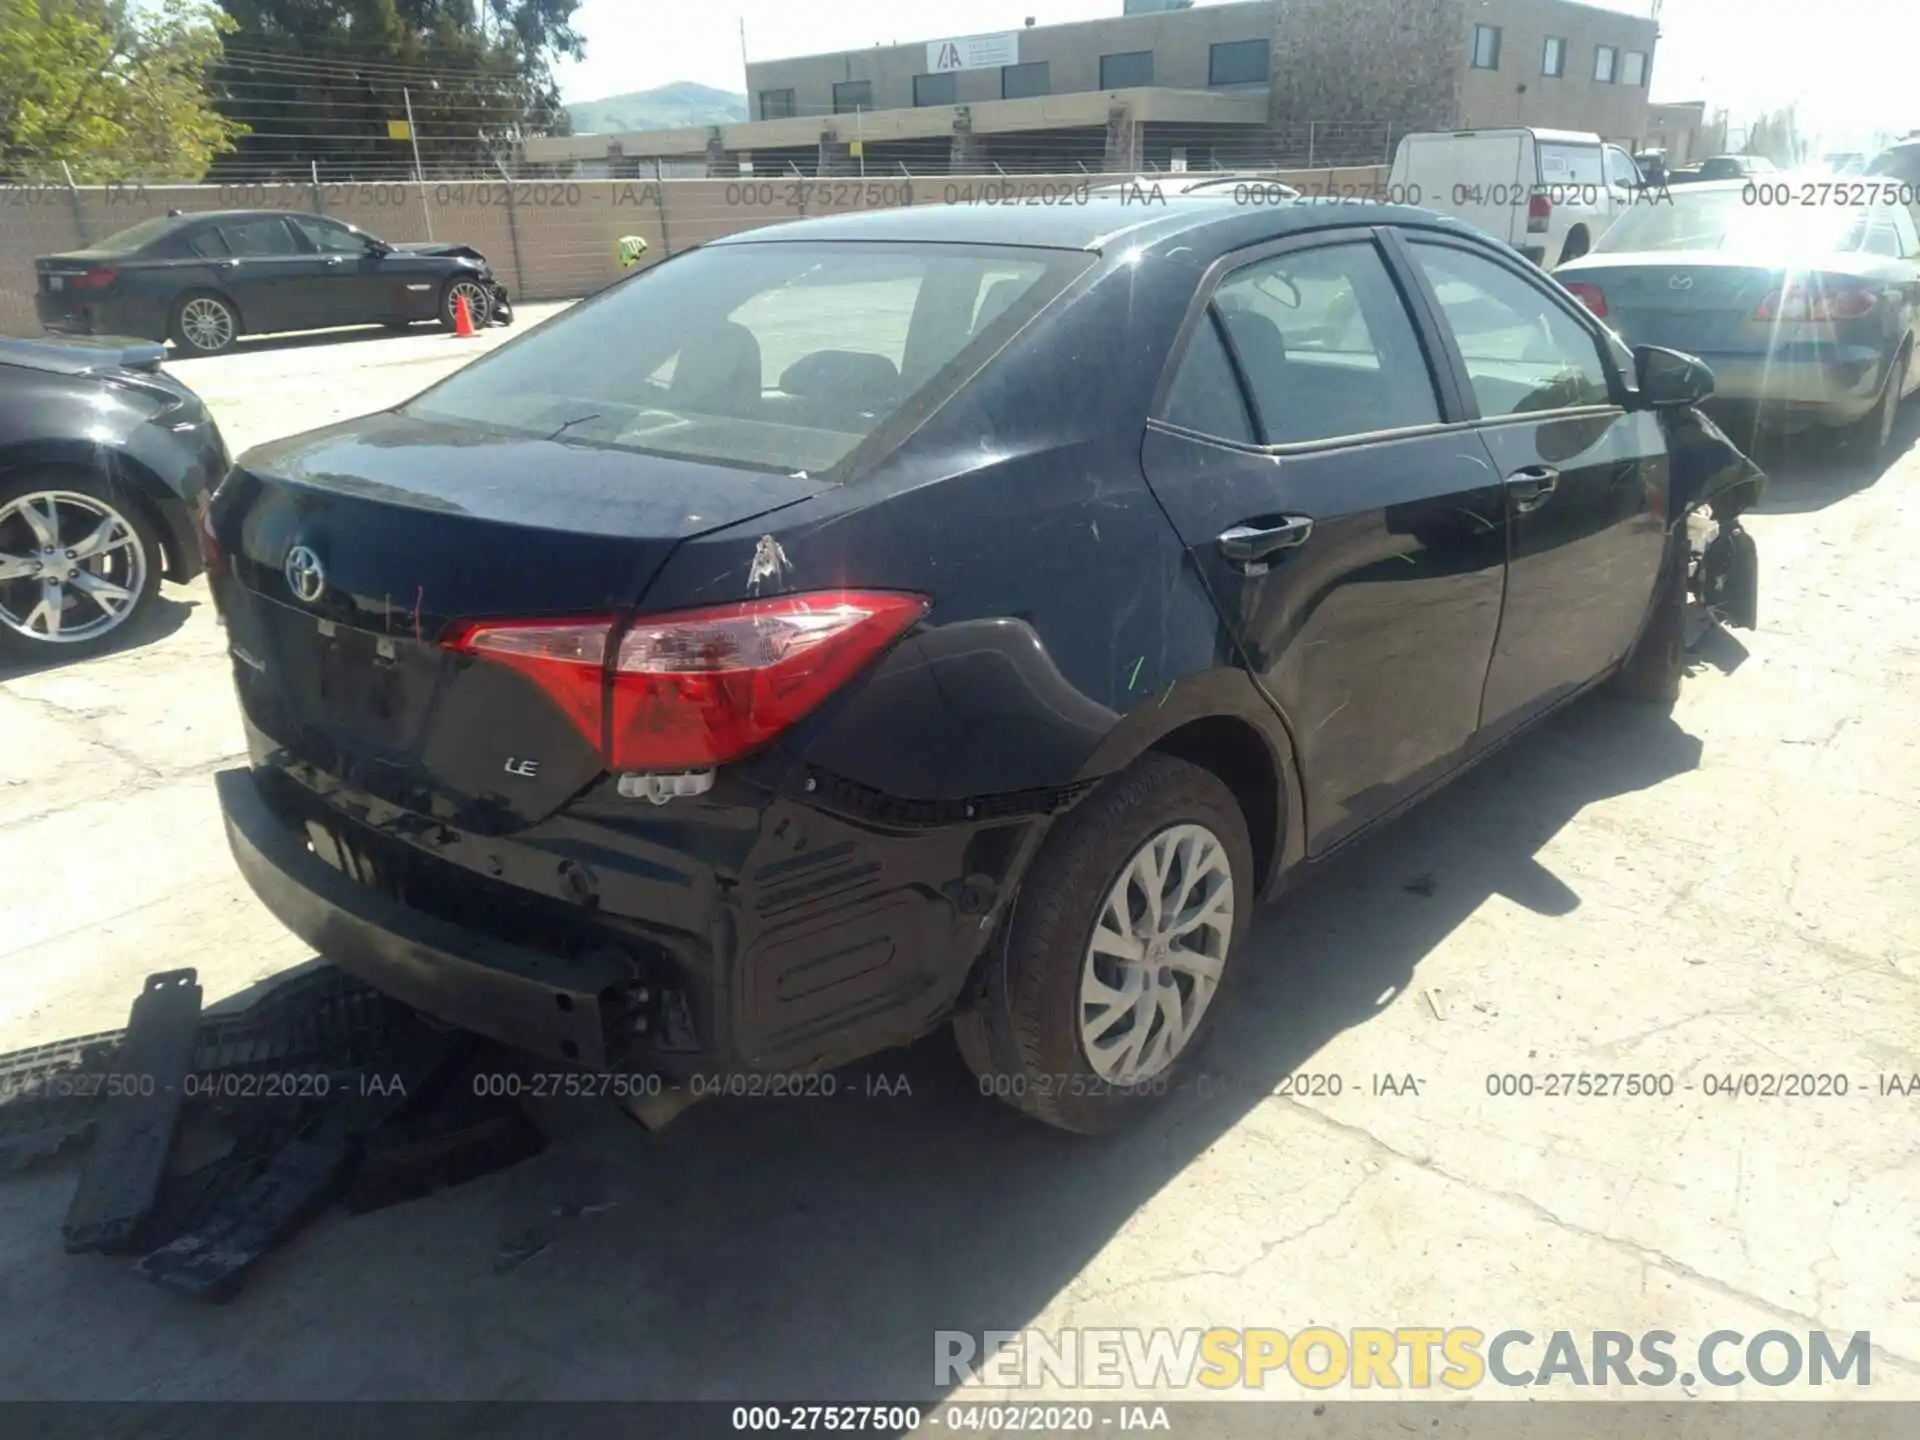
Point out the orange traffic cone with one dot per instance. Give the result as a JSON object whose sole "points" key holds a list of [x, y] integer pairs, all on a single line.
{"points": [[463, 319]]}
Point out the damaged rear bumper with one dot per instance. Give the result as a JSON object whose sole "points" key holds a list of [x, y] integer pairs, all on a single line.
{"points": [[565, 1009]]}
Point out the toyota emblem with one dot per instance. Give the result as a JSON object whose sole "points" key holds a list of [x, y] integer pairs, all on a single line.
{"points": [[1680, 282], [305, 576]]}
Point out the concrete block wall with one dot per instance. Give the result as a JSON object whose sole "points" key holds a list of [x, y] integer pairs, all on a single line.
{"points": [[546, 240]]}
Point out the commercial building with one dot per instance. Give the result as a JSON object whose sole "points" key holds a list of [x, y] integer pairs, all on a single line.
{"points": [[1271, 82]]}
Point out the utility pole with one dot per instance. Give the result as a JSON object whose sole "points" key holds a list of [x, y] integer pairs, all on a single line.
{"points": [[419, 175]]}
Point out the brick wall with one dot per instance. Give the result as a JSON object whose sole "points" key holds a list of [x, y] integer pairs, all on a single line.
{"points": [[1350, 69]]}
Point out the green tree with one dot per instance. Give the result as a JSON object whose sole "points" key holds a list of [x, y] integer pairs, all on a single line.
{"points": [[1776, 135], [113, 90], [320, 82]]}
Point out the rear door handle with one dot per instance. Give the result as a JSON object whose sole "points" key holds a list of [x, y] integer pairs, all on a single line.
{"points": [[1532, 486], [1249, 544]]}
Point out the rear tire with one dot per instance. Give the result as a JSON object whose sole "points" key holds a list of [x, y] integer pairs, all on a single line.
{"points": [[204, 322], [1028, 1038], [93, 604], [1652, 671]]}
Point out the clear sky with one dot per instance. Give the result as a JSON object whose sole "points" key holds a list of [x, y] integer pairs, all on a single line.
{"points": [[1850, 65]]}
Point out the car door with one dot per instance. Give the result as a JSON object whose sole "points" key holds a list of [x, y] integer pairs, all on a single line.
{"points": [[272, 277], [1892, 232], [353, 287], [1586, 478], [1350, 536]]}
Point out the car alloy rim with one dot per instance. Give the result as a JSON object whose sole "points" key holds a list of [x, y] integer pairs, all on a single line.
{"points": [[207, 324], [478, 301], [1154, 961], [71, 567]]}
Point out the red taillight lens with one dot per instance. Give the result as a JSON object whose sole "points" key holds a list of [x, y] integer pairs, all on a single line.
{"points": [[1809, 300], [93, 280], [1539, 207], [211, 555], [707, 686], [565, 658], [701, 687], [1590, 296]]}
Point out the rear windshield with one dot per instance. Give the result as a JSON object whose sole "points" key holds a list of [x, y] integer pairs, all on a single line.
{"points": [[135, 236], [770, 355], [1728, 220]]}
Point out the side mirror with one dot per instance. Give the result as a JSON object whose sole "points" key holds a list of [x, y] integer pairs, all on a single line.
{"points": [[1668, 379], [378, 247]]}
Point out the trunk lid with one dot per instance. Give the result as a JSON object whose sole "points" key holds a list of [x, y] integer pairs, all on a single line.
{"points": [[1691, 301], [413, 526]]}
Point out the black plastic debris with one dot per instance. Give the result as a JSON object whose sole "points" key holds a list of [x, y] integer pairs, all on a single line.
{"points": [[49, 1098], [145, 1084], [320, 1089], [451, 1143]]}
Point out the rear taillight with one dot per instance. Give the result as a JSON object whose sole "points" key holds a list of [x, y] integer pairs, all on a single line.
{"points": [[92, 279], [211, 555], [1539, 207], [699, 688], [1809, 300], [1588, 295]]}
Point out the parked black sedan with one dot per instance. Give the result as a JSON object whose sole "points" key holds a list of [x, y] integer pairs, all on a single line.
{"points": [[104, 462], [205, 280], [941, 612]]}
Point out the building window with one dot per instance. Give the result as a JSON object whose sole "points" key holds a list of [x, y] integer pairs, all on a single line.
{"points": [[1603, 60], [1239, 62], [1021, 82], [776, 104], [1135, 67], [935, 89], [1634, 70], [852, 95], [1486, 47], [1553, 61]]}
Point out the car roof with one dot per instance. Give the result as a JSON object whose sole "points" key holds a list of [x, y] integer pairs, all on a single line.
{"points": [[1096, 223]]}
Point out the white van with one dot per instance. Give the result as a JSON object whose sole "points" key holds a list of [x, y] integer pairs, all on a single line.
{"points": [[1548, 193]]}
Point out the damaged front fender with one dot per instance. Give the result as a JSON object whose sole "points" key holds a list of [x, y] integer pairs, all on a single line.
{"points": [[1708, 469]]}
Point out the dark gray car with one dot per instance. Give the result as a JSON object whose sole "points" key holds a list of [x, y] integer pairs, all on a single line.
{"points": [[1802, 294]]}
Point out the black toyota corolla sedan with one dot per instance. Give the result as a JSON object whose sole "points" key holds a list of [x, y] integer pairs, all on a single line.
{"points": [[940, 614], [205, 280]]}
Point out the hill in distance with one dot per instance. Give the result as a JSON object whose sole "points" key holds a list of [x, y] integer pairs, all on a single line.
{"points": [[665, 107]]}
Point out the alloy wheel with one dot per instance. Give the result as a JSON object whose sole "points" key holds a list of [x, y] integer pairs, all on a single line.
{"points": [[479, 301], [1155, 958], [72, 567], [206, 323]]}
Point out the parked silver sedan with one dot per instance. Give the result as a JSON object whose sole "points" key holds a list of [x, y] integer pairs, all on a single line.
{"points": [[1802, 293]]}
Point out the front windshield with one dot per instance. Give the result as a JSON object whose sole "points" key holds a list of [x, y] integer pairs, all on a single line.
{"points": [[781, 356], [1729, 220]]}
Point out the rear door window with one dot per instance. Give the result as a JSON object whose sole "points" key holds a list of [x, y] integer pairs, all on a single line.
{"points": [[266, 235], [1522, 352], [208, 244], [782, 355], [329, 237], [1326, 344]]}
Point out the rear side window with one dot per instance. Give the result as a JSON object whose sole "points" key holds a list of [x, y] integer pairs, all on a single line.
{"points": [[1571, 165], [1523, 353], [779, 355], [1326, 344], [1205, 396], [208, 244]]}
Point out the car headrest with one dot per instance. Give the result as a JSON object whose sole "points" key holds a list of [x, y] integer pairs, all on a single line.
{"points": [[843, 378], [1257, 338], [719, 371], [994, 303]]}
